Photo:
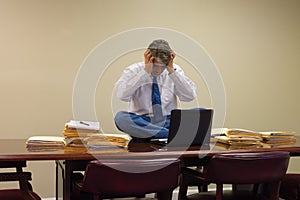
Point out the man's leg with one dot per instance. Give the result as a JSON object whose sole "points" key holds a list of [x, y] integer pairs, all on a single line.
{"points": [[140, 126], [163, 133]]}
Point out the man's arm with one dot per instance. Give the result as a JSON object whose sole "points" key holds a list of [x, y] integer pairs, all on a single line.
{"points": [[185, 89], [132, 78]]}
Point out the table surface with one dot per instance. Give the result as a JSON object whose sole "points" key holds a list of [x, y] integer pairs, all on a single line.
{"points": [[15, 149]]}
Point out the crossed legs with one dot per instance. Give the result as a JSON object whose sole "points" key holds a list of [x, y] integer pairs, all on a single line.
{"points": [[141, 126]]}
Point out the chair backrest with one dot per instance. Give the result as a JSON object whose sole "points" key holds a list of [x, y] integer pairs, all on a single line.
{"points": [[140, 177], [13, 164], [247, 168], [24, 192]]}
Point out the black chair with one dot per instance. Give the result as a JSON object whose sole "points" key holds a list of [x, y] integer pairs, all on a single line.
{"points": [[24, 192], [128, 178], [264, 168], [290, 187]]}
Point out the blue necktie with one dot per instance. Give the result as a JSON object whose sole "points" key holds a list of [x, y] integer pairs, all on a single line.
{"points": [[156, 102]]}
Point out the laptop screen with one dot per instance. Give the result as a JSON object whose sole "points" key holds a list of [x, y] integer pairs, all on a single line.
{"points": [[190, 127]]}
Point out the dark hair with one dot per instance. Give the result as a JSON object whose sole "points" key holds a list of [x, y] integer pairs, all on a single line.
{"points": [[161, 50]]}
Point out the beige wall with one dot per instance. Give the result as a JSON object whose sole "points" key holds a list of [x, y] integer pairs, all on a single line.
{"points": [[255, 45]]}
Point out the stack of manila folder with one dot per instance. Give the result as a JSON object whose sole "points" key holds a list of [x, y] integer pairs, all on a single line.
{"points": [[242, 138], [88, 134], [278, 138], [45, 143], [77, 131]]}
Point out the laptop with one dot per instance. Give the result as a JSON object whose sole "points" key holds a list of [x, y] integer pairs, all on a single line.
{"points": [[188, 128]]}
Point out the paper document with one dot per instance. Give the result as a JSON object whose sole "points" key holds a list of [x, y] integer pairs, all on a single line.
{"points": [[87, 125]]}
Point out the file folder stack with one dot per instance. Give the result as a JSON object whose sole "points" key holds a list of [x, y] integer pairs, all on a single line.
{"points": [[88, 134], [77, 131], [45, 143], [278, 138], [240, 138], [106, 140]]}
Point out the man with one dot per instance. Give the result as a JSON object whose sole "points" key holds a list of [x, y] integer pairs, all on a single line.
{"points": [[150, 106]]}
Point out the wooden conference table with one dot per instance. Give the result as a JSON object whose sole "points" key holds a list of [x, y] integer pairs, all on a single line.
{"points": [[72, 159]]}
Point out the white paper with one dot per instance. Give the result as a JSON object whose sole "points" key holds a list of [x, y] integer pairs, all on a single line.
{"points": [[88, 125], [47, 138]]}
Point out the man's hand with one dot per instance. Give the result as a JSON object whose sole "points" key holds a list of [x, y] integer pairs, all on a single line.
{"points": [[149, 59], [170, 67]]}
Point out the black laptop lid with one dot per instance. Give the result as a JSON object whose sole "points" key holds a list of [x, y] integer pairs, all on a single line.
{"points": [[190, 127]]}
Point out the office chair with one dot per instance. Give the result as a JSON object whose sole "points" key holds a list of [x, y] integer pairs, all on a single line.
{"points": [[260, 169], [188, 179], [106, 179], [290, 187], [24, 192]]}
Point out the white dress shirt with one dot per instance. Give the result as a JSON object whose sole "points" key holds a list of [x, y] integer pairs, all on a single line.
{"points": [[135, 87]]}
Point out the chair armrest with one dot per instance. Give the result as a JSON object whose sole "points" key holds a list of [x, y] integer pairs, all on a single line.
{"points": [[195, 174]]}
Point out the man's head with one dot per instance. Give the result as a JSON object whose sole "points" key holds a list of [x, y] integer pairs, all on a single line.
{"points": [[161, 51]]}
